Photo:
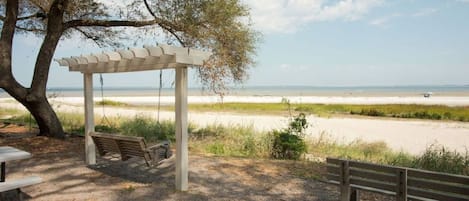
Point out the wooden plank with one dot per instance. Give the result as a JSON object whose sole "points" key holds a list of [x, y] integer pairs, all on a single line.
{"points": [[133, 149], [126, 54], [90, 149], [19, 183], [444, 177], [108, 147], [373, 167], [435, 195], [334, 161], [373, 184], [132, 153], [182, 152], [154, 50], [132, 145], [438, 186], [370, 189], [333, 177], [91, 59], [401, 188], [140, 52], [370, 175], [8, 153], [345, 190], [102, 57], [117, 137], [333, 169]]}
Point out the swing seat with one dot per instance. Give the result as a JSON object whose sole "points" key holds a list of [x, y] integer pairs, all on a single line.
{"points": [[129, 146]]}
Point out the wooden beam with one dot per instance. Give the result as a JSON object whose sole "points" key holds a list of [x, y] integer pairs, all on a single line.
{"points": [[90, 152], [182, 160]]}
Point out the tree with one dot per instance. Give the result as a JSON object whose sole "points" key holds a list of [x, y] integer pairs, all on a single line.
{"points": [[221, 26]]}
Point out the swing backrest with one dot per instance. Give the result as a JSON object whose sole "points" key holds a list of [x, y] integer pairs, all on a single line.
{"points": [[126, 146]]}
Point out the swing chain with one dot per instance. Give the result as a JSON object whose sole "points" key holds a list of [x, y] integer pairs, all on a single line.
{"points": [[104, 119]]}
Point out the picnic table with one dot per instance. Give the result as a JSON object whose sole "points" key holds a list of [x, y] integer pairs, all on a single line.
{"points": [[7, 154]]}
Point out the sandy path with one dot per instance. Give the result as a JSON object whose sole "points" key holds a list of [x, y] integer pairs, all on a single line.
{"points": [[412, 136]]}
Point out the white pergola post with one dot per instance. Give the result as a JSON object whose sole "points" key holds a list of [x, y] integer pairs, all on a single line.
{"points": [[182, 160], [90, 152]]}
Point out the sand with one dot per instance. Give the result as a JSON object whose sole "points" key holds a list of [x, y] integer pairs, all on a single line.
{"points": [[412, 136], [169, 100]]}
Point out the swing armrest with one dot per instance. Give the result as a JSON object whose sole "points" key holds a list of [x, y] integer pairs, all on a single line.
{"points": [[160, 151], [164, 144]]}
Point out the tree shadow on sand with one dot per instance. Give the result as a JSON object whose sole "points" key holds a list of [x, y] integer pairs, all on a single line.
{"points": [[67, 177]]}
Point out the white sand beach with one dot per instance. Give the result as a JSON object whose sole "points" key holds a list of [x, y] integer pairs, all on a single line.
{"points": [[166, 100], [412, 136]]}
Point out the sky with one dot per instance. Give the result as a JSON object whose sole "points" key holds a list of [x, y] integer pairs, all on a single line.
{"points": [[319, 43]]}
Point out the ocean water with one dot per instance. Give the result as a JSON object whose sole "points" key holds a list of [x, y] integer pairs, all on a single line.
{"points": [[447, 90]]}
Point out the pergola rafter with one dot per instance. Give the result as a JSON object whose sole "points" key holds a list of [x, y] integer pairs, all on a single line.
{"points": [[136, 59], [141, 59]]}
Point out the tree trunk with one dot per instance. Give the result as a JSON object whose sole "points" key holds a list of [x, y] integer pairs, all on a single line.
{"points": [[47, 120]]}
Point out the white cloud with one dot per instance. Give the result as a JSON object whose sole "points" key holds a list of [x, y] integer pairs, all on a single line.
{"points": [[288, 16], [426, 12], [384, 21]]}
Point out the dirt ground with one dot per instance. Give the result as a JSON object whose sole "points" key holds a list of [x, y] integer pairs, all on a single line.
{"points": [[60, 163]]}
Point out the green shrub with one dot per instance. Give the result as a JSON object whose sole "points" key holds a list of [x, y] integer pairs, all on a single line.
{"points": [[372, 112], [289, 143], [287, 146], [439, 158]]}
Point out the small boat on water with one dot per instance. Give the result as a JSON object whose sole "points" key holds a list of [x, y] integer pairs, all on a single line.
{"points": [[427, 94]]}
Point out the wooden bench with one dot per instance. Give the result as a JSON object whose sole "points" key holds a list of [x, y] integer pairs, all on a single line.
{"points": [[17, 184], [403, 183], [128, 146]]}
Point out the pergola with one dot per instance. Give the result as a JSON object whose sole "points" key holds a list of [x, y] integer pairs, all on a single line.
{"points": [[141, 59]]}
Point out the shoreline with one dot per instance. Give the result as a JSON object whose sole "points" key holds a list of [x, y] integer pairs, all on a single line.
{"points": [[355, 100]]}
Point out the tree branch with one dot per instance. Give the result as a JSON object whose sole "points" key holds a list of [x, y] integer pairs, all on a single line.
{"points": [[84, 33], [30, 29], [6, 39], [7, 81], [35, 15], [113, 23], [46, 52], [147, 5]]}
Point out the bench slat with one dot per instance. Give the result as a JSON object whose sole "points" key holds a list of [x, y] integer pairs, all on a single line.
{"points": [[450, 178], [333, 177], [373, 167], [333, 169], [373, 184], [437, 186], [435, 195], [19, 183], [131, 152], [378, 176], [117, 137]]}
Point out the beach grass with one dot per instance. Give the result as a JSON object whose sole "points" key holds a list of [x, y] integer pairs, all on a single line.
{"points": [[108, 102], [412, 111], [245, 141], [234, 140]]}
